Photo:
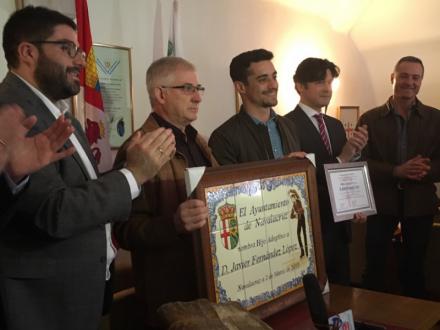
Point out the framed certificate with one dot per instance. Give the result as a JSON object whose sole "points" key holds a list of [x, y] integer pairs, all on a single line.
{"points": [[114, 69], [350, 190], [263, 233]]}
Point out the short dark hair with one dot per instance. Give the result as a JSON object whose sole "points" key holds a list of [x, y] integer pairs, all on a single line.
{"points": [[30, 24], [314, 69], [239, 67], [411, 59]]}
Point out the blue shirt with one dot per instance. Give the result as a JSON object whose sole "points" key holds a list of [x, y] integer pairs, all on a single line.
{"points": [[274, 134]]}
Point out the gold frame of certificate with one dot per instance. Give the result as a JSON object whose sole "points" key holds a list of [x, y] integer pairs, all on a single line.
{"points": [[115, 78], [263, 234], [350, 190]]}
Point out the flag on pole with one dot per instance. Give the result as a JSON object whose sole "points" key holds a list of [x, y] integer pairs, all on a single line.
{"points": [[174, 45], [168, 46], [90, 98], [158, 50]]}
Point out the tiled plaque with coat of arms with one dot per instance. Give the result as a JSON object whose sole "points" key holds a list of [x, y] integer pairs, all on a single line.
{"points": [[263, 233]]}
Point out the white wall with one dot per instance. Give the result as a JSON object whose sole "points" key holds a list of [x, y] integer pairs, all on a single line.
{"points": [[389, 30], [6, 8], [212, 32], [380, 63]]}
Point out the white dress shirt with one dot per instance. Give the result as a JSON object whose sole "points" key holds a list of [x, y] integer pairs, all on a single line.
{"points": [[310, 112]]}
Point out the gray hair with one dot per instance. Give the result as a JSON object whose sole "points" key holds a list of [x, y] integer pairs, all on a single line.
{"points": [[161, 72]]}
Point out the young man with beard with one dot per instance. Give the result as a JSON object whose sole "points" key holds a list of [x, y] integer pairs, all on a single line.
{"points": [[158, 233], [55, 245], [325, 137], [403, 156], [256, 132]]}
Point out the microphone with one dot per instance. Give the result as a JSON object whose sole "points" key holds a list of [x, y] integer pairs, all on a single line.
{"points": [[317, 308]]}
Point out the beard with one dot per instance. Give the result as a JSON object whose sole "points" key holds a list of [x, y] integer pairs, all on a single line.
{"points": [[267, 104], [270, 101], [52, 79]]}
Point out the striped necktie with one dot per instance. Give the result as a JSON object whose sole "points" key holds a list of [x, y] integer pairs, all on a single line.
{"points": [[323, 132]]}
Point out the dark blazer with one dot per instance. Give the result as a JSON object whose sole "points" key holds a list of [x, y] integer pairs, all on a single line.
{"points": [[52, 236], [420, 198], [240, 140], [311, 142]]}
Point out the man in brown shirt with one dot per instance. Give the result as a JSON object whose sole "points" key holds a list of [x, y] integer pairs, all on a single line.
{"points": [[158, 233]]}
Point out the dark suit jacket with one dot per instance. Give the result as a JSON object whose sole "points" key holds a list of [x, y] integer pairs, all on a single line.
{"points": [[311, 142], [52, 236], [240, 140], [420, 198]]}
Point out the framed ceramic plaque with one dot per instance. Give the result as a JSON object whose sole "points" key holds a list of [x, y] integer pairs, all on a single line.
{"points": [[263, 233]]}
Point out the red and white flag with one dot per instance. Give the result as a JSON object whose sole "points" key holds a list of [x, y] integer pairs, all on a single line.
{"points": [[89, 98]]}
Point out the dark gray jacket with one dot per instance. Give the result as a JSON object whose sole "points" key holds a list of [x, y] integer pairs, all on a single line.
{"points": [[240, 139]]}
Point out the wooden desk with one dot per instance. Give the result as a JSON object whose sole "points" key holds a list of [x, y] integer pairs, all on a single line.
{"points": [[384, 308], [395, 312]]}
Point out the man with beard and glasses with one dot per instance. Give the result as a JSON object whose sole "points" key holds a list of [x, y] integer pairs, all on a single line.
{"points": [[55, 245], [256, 132], [325, 137]]}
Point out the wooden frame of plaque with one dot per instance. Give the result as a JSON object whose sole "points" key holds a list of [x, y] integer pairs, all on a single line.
{"points": [[250, 248]]}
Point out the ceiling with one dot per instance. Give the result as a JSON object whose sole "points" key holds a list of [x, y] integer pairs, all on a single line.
{"points": [[376, 23]]}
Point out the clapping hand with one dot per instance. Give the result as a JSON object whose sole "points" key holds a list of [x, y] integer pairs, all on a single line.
{"points": [[26, 155], [414, 169], [355, 144], [148, 152]]}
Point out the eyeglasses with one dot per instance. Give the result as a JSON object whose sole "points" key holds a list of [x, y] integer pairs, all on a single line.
{"points": [[188, 89], [67, 46]]}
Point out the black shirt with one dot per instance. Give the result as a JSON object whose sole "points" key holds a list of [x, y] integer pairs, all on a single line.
{"points": [[185, 143]]}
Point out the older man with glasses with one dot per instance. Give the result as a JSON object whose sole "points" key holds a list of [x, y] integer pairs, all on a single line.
{"points": [[158, 233]]}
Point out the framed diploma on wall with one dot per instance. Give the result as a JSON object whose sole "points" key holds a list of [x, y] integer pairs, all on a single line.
{"points": [[114, 70], [263, 234]]}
